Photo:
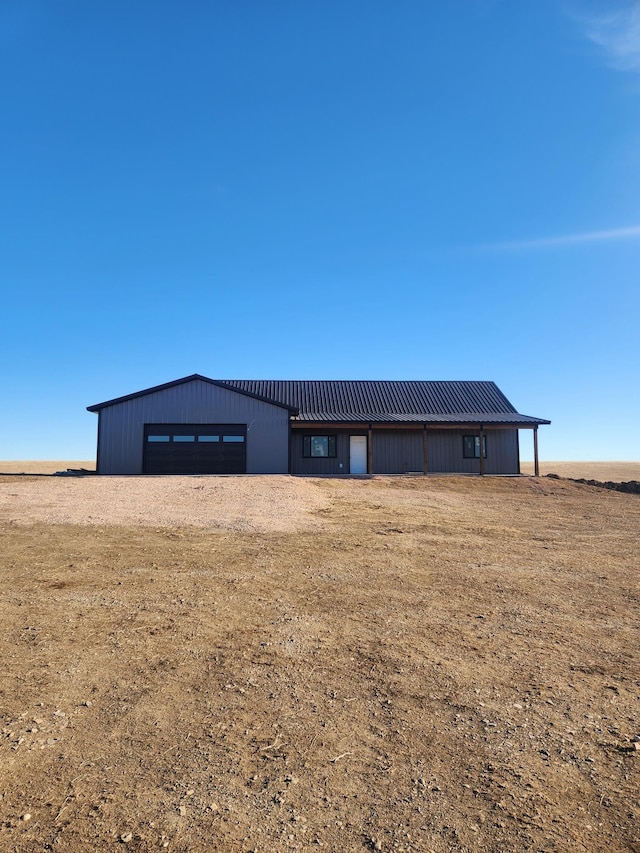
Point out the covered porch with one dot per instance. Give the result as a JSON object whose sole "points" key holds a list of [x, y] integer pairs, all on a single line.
{"points": [[359, 447]]}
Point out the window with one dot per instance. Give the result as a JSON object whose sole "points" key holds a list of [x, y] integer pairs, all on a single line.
{"points": [[319, 446], [471, 446], [158, 438], [208, 438], [233, 438], [184, 438]]}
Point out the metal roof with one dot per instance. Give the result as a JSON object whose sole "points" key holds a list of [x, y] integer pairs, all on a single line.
{"points": [[420, 417], [380, 401], [193, 377]]}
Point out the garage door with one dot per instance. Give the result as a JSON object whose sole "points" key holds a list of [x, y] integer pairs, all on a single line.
{"points": [[195, 449]]}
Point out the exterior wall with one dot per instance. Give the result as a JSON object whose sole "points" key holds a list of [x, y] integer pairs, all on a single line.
{"points": [[121, 426], [323, 466], [397, 451], [445, 452]]}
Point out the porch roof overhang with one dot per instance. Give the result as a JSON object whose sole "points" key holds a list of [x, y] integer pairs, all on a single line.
{"points": [[512, 420]]}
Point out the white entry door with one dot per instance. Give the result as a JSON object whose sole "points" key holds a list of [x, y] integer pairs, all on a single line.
{"points": [[357, 454]]}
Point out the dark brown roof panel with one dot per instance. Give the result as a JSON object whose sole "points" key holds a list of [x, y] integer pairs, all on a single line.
{"points": [[380, 401], [421, 417]]}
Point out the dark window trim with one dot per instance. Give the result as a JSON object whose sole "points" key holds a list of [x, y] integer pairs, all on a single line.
{"points": [[476, 448], [332, 446]]}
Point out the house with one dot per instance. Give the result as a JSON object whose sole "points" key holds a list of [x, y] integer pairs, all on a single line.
{"points": [[197, 425]]}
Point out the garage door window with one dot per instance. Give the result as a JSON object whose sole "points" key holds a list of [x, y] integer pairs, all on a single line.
{"points": [[195, 449]]}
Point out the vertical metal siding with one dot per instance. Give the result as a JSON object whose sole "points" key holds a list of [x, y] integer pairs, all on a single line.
{"points": [[400, 451], [397, 451], [122, 425], [321, 467], [445, 452], [508, 456]]}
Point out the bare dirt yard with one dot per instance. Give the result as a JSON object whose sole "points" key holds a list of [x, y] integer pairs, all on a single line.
{"points": [[280, 664]]}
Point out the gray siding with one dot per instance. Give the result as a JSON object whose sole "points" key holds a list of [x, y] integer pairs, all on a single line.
{"points": [[397, 451], [445, 452], [322, 467], [122, 425]]}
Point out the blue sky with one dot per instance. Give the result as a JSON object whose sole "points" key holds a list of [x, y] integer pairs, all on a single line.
{"points": [[354, 189]]}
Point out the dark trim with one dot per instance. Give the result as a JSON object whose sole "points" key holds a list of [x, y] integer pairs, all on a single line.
{"points": [[430, 424], [345, 426], [98, 446], [144, 449], [332, 443], [195, 376], [483, 445], [425, 452]]}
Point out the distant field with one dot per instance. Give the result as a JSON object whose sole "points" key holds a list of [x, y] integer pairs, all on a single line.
{"points": [[615, 471], [39, 466]]}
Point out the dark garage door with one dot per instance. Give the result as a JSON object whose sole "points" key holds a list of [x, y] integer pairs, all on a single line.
{"points": [[195, 449]]}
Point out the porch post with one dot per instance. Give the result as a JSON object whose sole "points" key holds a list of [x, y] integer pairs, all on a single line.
{"points": [[481, 449], [536, 465], [370, 450], [425, 451]]}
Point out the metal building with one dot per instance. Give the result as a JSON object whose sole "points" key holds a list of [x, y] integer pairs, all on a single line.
{"points": [[197, 425]]}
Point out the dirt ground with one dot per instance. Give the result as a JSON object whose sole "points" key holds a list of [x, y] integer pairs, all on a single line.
{"points": [[406, 664]]}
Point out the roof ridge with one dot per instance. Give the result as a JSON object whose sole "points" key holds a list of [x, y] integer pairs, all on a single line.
{"points": [[417, 400]]}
